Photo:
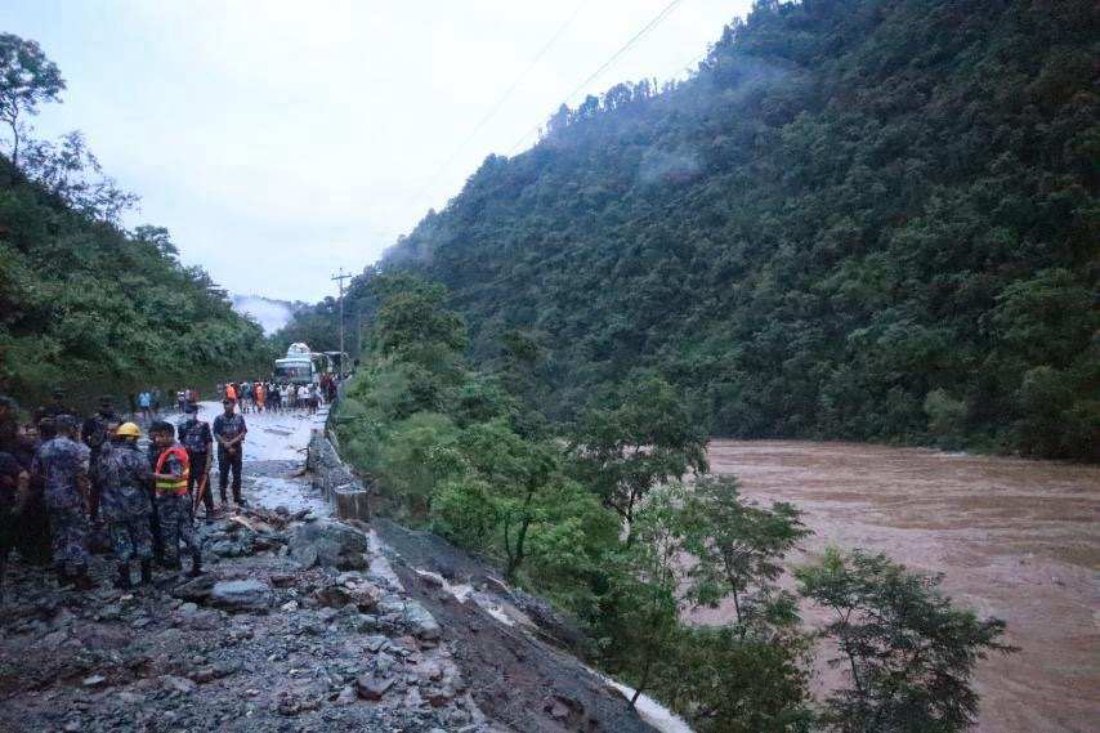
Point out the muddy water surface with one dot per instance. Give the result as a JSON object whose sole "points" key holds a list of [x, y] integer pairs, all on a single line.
{"points": [[1017, 539]]}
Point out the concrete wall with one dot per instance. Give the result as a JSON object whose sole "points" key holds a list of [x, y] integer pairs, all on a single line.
{"points": [[335, 480]]}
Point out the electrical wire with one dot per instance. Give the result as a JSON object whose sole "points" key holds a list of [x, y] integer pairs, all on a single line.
{"points": [[656, 21]]}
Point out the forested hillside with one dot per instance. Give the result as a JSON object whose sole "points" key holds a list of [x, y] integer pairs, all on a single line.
{"points": [[860, 219]]}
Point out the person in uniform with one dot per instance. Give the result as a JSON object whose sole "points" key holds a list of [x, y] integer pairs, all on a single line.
{"points": [[62, 464], [196, 437], [14, 482], [229, 431], [125, 504], [96, 433], [175, 513]]}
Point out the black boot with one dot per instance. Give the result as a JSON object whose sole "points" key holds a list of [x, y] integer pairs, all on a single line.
{"points": [[196, 564], [123, 580], [146, 572]]}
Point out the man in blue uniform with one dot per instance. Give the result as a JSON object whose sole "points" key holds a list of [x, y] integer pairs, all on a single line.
{"points": [[196, 437], [229, 431], [125, 504], [62, 465]]}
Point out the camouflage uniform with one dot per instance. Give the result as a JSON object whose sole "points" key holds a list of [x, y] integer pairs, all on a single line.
{"points": [[175, 517], [60, 462], [125, 504]]}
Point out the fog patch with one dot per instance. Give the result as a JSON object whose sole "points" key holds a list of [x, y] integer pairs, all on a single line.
{"points": [[663, 166]]}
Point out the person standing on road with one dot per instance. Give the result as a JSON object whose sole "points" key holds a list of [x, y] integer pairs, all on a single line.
{"points": [[229, 431], [14, 483], [198, 440], [175, 513], [62, 465], [96, 434], [126, 506]]}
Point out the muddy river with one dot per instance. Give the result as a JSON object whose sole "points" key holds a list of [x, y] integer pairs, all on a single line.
{"points": [[1017, 539]]}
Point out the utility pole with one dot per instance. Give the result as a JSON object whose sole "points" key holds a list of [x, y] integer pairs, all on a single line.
{"points": [[359, 332], [340, 277]]}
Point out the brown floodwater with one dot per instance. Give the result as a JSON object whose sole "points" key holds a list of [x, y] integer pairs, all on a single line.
{"points": [[1016, 539]]}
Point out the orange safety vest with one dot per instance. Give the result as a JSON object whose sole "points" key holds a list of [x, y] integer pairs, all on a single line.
{"points": [[177, 485]]}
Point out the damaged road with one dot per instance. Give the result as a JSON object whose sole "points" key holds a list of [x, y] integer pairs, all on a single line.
{"points": [[301, 623]]}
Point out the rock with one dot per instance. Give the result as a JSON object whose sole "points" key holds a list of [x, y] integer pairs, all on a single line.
{"points": [[289, 606], [179, 684], [94, 681], [371, 688], [333, 545], [197, 590], [327, 614], [422, 624], [440, 696], [188, 608], [375, 642], [283, 580], [241, 595], [347, 696]]}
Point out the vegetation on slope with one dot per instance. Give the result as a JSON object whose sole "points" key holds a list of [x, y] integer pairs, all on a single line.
{"points": [[85, 304], [596, 519], [859, 219]]}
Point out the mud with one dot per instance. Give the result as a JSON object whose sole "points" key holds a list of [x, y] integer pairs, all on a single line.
{"points": [[1016, 539]]}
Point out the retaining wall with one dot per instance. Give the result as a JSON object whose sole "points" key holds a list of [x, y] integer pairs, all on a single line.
{"points": [[335, 480]]}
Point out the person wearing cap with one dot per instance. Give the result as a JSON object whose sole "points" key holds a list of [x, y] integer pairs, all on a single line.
{"points": [[9, 426], [96, 434], [229, 431], [62, 466], [196, 437], [55, 407], [175, 514], [125, 504]]}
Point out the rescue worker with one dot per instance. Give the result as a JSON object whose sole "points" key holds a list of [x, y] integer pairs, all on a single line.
{"points": [[96, 435], [126, 506], [14, 484], [196, 437], [229, 431], [55, 407], [173, 504], [9, 427], [62, 465]]}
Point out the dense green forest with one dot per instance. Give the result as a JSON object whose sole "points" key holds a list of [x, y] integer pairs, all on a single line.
{"points": [[858, 219], [595, 518], [84, 304]]}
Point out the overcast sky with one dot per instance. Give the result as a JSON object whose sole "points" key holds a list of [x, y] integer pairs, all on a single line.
{"points": [[279, 141]]}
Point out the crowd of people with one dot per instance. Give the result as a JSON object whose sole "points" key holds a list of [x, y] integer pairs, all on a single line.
{"points": [[269, 396], [69, 486]]}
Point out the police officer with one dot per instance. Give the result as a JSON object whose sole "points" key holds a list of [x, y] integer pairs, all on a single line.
{"points": [[96, 434], [229, 431], [173, 503], [196, 437], [62, 465], [14, 482], [125, 504]]}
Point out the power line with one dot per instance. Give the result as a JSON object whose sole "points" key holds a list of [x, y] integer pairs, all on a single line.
{"points": [[656, 21], [501, 100]]}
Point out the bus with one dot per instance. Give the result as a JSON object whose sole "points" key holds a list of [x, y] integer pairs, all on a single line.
{"points": [[303, 366]]}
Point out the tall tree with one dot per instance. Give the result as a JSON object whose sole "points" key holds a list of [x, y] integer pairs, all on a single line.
{"points": [[27, 79]]}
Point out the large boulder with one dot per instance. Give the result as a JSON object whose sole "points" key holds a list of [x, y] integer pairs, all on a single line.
{"points": [[330, 544], [241, 595]]}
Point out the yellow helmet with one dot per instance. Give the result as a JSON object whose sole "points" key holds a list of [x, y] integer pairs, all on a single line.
{"points": [[129, 430]]}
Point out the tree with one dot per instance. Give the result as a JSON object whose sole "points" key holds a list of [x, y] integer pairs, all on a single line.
{"points": [[737, 547], [649, 437], [519, 474], [27, 78], [910, 653]]}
